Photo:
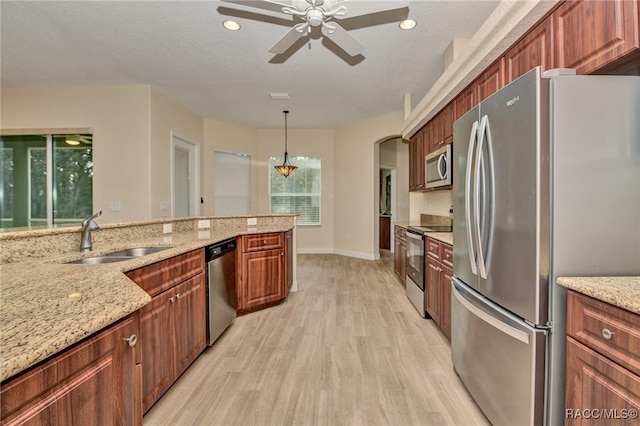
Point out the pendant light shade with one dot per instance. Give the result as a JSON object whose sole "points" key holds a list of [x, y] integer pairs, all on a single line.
{"points": [[286, 168]]}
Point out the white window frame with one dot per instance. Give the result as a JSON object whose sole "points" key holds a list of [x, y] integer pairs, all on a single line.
{"points": [[293, 160]]}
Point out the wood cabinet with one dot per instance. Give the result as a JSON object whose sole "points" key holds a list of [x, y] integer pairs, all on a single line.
{"points": [[603, 367], [173, 326], [384, 233], [262, 273], [442, 128], [400, 253], [465, 101], [438, 272], [591, 34], [417, 151], [92, 382], [535, 49], [490, 81]]}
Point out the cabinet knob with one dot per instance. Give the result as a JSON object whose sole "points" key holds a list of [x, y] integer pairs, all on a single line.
{"points": [[607, 334], [132, 340], [264, 241], [173, 299]]}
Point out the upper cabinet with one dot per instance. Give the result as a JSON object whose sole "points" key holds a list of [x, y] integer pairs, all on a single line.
{"points": [[490, 81], [442, 127], [417, 151], [591, 34], [465, 101], [535, 49]]}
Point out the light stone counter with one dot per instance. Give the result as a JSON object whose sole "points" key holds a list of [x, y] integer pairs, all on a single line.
{"points": [[47, 305], [445, 237], [623, 292]]}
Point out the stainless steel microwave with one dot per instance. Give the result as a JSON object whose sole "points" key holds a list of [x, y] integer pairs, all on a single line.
{"points": [[437, 168]]}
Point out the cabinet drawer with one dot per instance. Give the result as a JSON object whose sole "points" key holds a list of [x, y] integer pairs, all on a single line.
{"points": [[160, 276], [262, 242], [433, 248], [609, 330], [447, 255]]}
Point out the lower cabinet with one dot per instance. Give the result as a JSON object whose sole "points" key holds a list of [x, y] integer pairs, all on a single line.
{"points": [[262, 270], [400, 253], [91, 383], [603, 367], [173, 326], [438, 272]]}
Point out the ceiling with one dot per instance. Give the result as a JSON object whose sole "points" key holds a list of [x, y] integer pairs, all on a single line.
{"points": [[181, 48]]}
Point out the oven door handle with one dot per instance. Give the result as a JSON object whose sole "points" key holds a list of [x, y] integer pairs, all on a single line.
{"points": [[415, 236]]}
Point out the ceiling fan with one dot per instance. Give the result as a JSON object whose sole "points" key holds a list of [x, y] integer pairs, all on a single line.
{"points": [[322, 14]]}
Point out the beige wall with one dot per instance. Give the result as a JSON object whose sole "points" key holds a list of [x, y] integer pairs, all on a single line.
{"points": [[119, 117], [434, 202], [356, 175], [132, 127], [168, 117]]}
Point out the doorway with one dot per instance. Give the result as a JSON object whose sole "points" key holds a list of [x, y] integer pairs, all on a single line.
{"points": [[186, 176]]}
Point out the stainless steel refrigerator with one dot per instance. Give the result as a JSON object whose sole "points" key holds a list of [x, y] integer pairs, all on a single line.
{"points": [[546, 184]]}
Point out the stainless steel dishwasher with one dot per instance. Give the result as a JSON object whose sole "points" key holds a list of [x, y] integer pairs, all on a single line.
{"points": [[221, 273]]}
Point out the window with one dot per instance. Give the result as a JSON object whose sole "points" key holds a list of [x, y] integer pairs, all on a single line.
{"points": [[45, 179], [300, 192], [232, 183]]}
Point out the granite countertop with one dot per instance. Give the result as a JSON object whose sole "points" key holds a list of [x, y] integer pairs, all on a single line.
{"points": [[623, 292], [445, 237], [48, 305]]}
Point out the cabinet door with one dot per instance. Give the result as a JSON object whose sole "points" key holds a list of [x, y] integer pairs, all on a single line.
{"points": [[413, 154], [262, 277], [189, 311], [590, 34], [593, 382], [436, 138], [535, 49], [396, 255], [157, 348], [447, 118], [490, 81], [403, 261], [90, 383], [432, 300], [465, 101], [445, 290]]}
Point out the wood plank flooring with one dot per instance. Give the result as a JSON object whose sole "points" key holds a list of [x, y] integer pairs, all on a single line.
{"points": [[347, 349]]}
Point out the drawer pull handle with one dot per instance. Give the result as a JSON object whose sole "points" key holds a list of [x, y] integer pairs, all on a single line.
{"points": [[607, 334], [132, 340]]}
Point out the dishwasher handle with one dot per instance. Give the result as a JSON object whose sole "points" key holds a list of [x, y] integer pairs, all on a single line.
{"points": [[219, 249]]}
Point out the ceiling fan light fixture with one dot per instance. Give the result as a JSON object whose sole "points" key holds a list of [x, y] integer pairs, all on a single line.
{"points": [[408, 24], [72, 142], [286, 168], [231, 25]]}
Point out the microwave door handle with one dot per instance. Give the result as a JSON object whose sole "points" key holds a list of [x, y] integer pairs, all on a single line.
{"points": [[442, 161], [473, 136]]}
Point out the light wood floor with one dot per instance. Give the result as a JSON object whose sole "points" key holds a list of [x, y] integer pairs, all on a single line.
{"points": [[347, 349]]}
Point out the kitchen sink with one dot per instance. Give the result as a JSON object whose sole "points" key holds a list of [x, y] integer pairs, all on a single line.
{"points": [[100, 259], [119, 256], [136, 251]]}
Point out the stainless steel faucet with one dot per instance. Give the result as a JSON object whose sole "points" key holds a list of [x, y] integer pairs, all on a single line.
{"points": [[88, 225]]}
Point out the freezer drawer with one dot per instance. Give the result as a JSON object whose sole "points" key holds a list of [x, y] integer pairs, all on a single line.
{"points": [[499, 358]]}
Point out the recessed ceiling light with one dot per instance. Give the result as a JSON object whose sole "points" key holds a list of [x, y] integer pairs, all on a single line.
{"points": [[408, 24], [231, 25]]}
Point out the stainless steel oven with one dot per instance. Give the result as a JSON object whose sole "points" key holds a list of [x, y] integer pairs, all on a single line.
{"points": [[415, 269]]}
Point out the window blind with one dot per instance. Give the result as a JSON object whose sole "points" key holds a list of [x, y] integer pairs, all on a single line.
{"points": [[300, 193], [232, 183]]}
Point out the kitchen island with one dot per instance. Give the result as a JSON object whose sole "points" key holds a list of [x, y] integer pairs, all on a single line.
{"points": [[48, 305]]}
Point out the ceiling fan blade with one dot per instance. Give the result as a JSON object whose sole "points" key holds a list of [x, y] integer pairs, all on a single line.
{"points": [[342, 38], [288, 40], [359, 8]]}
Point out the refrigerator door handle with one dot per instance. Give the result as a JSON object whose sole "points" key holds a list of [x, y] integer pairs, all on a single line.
{"points": [[488, 189], [467, 198], [496, 323]]}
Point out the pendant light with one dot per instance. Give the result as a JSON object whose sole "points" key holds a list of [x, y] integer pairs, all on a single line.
{"points": [[286, 168]]}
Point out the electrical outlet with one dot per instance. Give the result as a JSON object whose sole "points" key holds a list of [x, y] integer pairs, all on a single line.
{"points": [[204, 224], [115, 206], [204, 235], [252, 221], [164, 206], [167, 228]]}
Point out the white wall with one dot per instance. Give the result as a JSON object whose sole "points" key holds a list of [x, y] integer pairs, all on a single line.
{"points": [[434, 202]]}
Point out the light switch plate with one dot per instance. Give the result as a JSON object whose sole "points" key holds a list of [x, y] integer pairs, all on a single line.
{"points": [[167, 228], [252, 221]]}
